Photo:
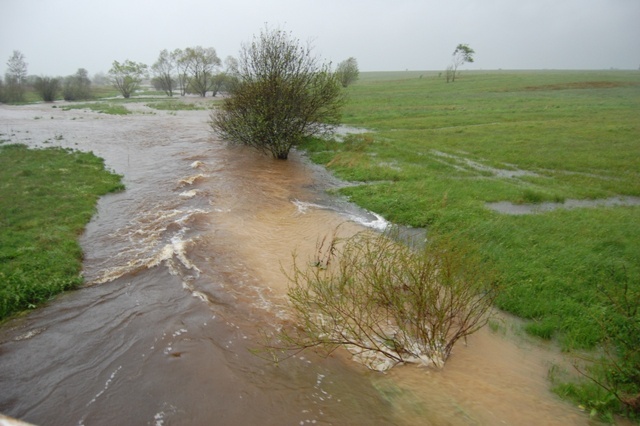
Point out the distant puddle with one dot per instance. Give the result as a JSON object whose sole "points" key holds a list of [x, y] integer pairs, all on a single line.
{"points": [[343, 131], [506, 207]]}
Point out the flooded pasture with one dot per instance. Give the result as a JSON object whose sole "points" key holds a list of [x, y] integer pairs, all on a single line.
{"points": [[507, 207], [184, 272]]}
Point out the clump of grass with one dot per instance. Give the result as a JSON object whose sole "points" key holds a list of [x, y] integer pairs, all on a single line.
{"points": [[47, 197], [102, 107], [175, 105]]}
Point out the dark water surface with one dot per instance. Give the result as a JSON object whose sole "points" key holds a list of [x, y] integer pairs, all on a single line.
{"points": [[184, 270]]}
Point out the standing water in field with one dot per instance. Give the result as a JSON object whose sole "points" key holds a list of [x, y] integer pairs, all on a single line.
{"points": [[184, 272]]}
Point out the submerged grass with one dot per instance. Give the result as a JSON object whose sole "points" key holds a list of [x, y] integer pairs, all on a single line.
{"points": [[46, 198], [441, 151], [103, 107], [176, 105]]}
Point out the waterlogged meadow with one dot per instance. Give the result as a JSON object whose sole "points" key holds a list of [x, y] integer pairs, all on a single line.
{"points": [[437, 153]]}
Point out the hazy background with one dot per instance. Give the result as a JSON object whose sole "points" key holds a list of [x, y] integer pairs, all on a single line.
{"points": [[59, 36]]}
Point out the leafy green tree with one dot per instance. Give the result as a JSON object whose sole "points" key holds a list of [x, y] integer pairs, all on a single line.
{"points": [[202, 64], [219, 82], [281, 94], [347, 71], [127, 76], [77, 86], [15, 77], [47, 88], [461, 55], [164, 70]]}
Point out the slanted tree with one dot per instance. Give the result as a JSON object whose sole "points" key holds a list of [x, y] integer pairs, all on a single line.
{"points": [[461, 55], [347, 71], [127, 76], [280, 94]]}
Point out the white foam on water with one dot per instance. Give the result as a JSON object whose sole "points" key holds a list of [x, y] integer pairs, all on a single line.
{"points": [[378, 222], [304, 206], [191, 179], [145, 251], [189, 194], [106, 386], [29, 334]]}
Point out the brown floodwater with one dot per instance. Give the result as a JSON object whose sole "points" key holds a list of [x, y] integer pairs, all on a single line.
{"points": [[184, 273]]}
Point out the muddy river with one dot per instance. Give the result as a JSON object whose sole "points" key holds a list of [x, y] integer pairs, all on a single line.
{"points": [[184, 273]]}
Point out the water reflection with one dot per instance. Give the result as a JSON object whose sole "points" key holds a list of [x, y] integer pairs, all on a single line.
{"points": [[506, 207]]}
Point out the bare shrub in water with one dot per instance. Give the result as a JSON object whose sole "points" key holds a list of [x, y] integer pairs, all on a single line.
{"points": [[387, 303]]}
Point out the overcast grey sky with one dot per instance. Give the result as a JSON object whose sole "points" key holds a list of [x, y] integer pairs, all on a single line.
{"points": [[59, 36]]}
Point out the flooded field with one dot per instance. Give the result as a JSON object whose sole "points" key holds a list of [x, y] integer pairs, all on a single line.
{"points": [[184, 272]]}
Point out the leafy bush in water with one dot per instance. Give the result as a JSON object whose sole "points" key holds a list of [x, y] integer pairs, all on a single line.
{"points": [[278, 95], [388, 303]]}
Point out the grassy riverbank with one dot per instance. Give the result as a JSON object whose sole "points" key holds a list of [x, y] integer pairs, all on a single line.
{"points": [[436, 155], [47, 197], [439, 152]]}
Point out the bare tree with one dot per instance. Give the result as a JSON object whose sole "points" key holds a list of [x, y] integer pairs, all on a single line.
{"points": [[15, 77], [461, 55], [281, 93], [100, 79], [388, 303], [231, 65], [347, 71]]}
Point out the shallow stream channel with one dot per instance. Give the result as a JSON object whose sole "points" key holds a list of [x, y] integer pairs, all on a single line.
{"points": [[184, 272]]}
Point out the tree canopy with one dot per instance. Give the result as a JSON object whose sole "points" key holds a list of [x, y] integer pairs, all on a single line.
{"points": [[347, 71], [15, 77], [280, 93], [127, 76], [461, 55]]}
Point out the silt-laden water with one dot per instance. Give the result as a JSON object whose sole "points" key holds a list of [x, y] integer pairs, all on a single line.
{"points": [[184, 273]]}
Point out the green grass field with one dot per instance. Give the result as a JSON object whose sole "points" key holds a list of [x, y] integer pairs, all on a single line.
{"points": [[47, 197], [438, 152]]}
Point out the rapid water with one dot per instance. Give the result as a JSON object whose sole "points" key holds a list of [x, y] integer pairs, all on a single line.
{"points": [[184, 273]]}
